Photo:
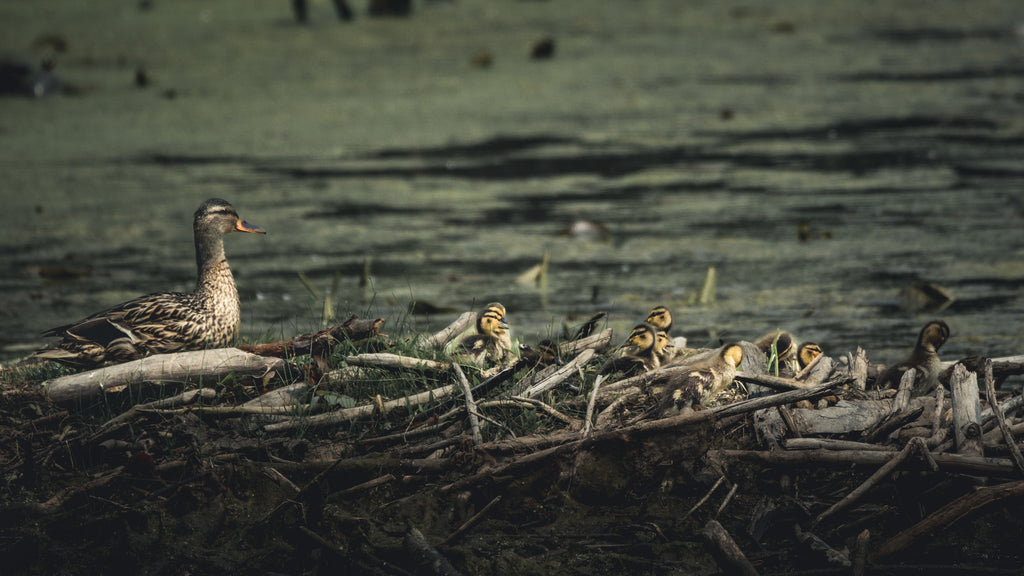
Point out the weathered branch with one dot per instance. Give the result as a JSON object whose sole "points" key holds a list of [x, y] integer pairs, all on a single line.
{"points": [[324, 340], [193, 367]]}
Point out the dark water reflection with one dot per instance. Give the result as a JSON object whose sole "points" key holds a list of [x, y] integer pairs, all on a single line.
{"points": [[894, 151]]}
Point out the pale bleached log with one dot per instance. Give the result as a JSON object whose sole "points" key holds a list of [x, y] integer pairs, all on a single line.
{"points": [[564, 372], [1004, 426], [471, 408], [597, 342], [819, 370], [452, 331], [858, 366], [387, 360], [832, 444], [290, 396], [963, 387], [591, 403], [843, 418], [906, 389], [357, 412], [195, 367], [1001, 367]]}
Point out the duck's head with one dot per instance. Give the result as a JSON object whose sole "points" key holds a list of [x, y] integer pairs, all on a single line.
{"points": [[660, 317], [662, 342], [806, 353], [782, 340], [644, 337], [491, 321], [217, 214], [934, 334], [732, 354]]}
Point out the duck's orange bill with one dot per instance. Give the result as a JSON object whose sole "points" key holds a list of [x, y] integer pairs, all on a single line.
{"points": [[243, 226]]}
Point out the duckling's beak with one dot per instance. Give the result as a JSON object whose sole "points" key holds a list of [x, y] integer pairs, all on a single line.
{"points": [[503, 324], [243, 226]]}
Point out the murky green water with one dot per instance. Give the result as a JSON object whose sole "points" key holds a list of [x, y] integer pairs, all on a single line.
{"points": [[700, 134]]}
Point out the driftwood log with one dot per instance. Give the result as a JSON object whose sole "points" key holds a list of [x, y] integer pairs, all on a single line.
{"points": [[966, 411], [194, 367]]}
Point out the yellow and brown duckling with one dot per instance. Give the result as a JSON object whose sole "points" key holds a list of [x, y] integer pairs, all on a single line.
{"points": [[639, 354], [207, 317], [492, 342], [806, 353], [661, 318], [702, 382], [924, 359]]}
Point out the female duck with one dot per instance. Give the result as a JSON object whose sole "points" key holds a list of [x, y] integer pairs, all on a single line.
{"points": [[207, 317], [924, 359]]}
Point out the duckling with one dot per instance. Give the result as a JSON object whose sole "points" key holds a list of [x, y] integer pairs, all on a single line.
{"points": [[783, 344], [545, 354], [924, 359], [661, 318], [639, 352], [702, 382], [665, 349], [806, 353], [492, 342], [207, 317]]}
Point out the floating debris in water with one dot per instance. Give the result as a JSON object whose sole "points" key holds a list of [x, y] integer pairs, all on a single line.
{"points": [[925, 297]]}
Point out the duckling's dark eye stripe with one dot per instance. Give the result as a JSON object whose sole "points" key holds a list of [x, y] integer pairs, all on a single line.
{"points": [[492, 314]]}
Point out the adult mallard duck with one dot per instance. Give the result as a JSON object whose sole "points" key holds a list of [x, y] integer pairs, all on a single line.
{"points": [[924, 359], [702, 382], [492, 342], [207, 317]]}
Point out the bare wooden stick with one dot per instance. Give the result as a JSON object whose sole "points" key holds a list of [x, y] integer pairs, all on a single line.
{"points": [[859, 491], [474, 422], [727, 499], [948, 462], [858, 362], [809, 368], [564, 372], [832, 444], [705, 498], [368, 485], [363, 411], [948, 515], [471, 521], [816, 544], [860, 553], [990, 394], [416, 544], [725, 551], [546, 408], [773, 382], [124, 418], [966, 411], [588, 419], [441, 339], [597, 341], [905, 389], [386, 360], [181, 367]]}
